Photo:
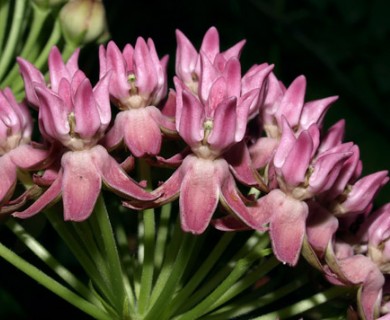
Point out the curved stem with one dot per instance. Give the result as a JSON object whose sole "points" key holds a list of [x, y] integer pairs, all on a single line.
{"points": [[4, 10], [51, 284], [14, 34], [39, 18], [306, 304], [41, 252], [149, 238]]}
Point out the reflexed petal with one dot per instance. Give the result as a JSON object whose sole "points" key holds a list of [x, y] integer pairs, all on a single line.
{"points": [[199, 194], [141, 133], [255, 217], [115, 178], [8, 177], [287, 227], [27, 156], [321, 225], [262, 151], [114, 137], [229, 223], [80, 186], [46, 199]]}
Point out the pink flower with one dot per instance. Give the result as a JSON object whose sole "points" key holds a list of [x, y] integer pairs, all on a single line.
{"points": [[16, 151], [188, 65], [138, 84], [212, 122], [76, 115]]}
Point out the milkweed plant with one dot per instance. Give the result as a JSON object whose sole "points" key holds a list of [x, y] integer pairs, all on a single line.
{"points": [[213, 193]]}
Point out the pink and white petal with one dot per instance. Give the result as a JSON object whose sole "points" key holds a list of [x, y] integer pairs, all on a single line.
{"points": [[191, 120], [72, 64], [114, 137], [234, 51], [262, 151], [199, 194], [27, 156], [31, 75], [360, 270], [145, 70], [8, 177], [333, 137], [321, 225], [224, 125], [232, 73], [297, 160], [229, 223], [166, 124], [102, 98], [115, 178], [287, 226], [142, 134], [86, 112], [292, 102], [50, 196], [210, 43], [81, 185], [313, 112], [57, 69], [119, 85], [241, 165], [287, 141], [253, 216], [186, 57]]}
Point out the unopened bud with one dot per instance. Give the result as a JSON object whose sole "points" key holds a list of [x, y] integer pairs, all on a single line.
{"points": [[84, 21]]}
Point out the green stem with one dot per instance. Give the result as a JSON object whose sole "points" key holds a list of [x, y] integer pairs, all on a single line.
{"points": [[249, 250], [123, 247], [162, 235], [111, 252], [4, 10], [259, 271], [51, 284], [149, 238], [253, 301], [306, 304], [71, 238], [13, 36], [202, 308], [166, 293], [41, 252], [39, 18], [201, 273]]}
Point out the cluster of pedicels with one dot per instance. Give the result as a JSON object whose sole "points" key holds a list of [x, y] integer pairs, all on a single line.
{"points": [[238, 129]]}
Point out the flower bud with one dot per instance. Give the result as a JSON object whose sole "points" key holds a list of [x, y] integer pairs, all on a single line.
{"points": [[84, 21]]}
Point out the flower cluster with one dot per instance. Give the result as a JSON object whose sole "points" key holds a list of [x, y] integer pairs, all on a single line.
{"points": [[241, 131]]}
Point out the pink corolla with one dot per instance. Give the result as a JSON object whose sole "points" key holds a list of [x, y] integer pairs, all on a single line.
{"points": [[188, 64], [138, 84], [285, 103], [16, 151], [298, 173], [75, 115], [212, 122]]}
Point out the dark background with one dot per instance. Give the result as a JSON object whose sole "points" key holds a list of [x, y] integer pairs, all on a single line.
{"points": [[340, 46]]}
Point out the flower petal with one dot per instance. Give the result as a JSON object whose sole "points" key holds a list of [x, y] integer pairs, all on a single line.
{"points": [[199, 194], [287, 227], [50, 196], [81, 185]]}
